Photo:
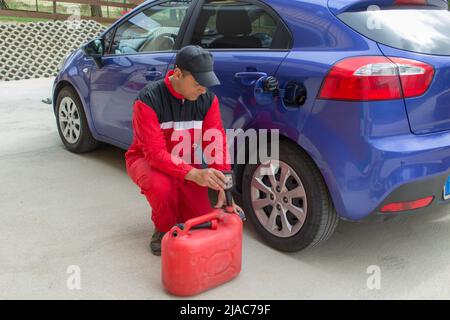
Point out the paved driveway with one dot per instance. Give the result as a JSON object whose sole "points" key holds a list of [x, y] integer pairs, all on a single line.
{"points": [[58, 209]]}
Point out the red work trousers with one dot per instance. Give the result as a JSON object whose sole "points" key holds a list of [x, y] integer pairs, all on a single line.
{"points": [[171, 200]]}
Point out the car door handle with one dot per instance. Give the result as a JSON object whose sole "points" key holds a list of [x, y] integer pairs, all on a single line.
{"points": [[252, 75], [249, 78], [152, 73]]}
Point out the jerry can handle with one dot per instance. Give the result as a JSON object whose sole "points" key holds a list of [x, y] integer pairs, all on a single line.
{"points": [[205, 221]]}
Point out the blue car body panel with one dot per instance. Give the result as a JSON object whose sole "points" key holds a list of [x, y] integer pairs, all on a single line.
{"points": [[116, 85], [364, 150]]}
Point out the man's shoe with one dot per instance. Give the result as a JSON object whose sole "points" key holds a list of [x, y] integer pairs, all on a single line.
{"points": [[155, 243]]}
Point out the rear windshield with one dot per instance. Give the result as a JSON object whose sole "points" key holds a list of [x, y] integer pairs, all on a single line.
{"points": [[422, 30]]}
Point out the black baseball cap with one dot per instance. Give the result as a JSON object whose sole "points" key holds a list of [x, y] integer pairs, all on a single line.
{"points": [[200, 63]]}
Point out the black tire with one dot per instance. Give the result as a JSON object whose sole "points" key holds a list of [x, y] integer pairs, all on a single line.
{"points": [[85, 142], [321, 218]]}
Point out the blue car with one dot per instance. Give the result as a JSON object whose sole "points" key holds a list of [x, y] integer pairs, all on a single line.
{"points": [[362, 103]]}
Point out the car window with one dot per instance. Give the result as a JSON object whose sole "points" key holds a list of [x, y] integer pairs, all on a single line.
{"points": [[237, 24], [151, 30], [418, 29]]}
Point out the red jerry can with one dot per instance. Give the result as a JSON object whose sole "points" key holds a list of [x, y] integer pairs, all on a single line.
{"points": [[207, 252]]}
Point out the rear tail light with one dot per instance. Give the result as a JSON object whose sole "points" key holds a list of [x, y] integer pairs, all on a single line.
{"points": [[411, 2], [415, 76], [407, 205], [376, 78]]}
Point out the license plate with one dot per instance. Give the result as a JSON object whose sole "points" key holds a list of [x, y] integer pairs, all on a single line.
{"points": [[447, 189]]}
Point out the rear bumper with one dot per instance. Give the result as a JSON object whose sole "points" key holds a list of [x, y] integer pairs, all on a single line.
{"points": [[403, 168], [427, 187], [369, 157], [422, 171]]}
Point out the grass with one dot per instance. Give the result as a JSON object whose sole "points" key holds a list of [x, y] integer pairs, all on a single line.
{"points": [[4, 19]]}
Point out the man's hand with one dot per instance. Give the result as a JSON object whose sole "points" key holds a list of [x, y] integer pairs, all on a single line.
{"points": [[221, 202], [210, 178]]}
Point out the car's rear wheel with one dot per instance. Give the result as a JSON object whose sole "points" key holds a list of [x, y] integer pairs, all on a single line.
{"points": [[288, 202], [72, 124]]}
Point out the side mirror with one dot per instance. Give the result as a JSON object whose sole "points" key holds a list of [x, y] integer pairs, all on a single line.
{"points": [[95, 49]]}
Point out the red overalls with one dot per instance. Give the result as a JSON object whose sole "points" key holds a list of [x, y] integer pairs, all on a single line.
{"points": [[159, 112]]}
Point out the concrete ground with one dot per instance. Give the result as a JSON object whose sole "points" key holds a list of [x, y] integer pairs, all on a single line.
{"points": [[59, 209]]}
